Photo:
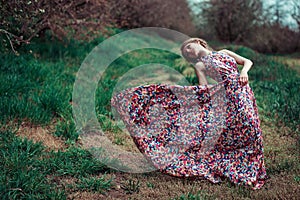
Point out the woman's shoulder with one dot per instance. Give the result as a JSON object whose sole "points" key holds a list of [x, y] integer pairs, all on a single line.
{"points": [[226, 51], [229, 53]]}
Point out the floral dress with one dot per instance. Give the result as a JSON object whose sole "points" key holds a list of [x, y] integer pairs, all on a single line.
{"points": [[211, 131]]}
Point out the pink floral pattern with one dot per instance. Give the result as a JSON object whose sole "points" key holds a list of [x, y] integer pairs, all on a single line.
{"points": [[211, 131]]}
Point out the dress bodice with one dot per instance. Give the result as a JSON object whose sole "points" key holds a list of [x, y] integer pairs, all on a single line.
{"points": [[219, 65]]}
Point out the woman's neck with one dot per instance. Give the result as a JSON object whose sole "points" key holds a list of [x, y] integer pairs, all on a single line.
{"points": [[205, 53]]}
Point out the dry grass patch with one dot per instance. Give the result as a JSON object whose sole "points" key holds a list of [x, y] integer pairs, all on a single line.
{"points": [[43, 134], [123, 140], [85, 195]]}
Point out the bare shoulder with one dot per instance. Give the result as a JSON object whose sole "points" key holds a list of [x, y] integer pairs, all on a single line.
{"points": [[238, 58], [228, 52]]}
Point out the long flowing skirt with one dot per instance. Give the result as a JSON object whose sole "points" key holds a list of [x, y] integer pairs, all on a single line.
{"points": [[210, 131]]}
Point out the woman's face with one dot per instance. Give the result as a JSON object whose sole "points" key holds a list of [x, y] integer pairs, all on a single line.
{"points": [[193, 50]]}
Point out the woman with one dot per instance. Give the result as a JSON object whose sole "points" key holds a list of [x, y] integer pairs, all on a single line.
{"points": [[222, 65], [210, 130]]}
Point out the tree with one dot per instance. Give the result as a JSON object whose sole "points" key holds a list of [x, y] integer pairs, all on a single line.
{"points": [[277, 12], [296, 13], [230, 20], [173, 14], [22, 20]]}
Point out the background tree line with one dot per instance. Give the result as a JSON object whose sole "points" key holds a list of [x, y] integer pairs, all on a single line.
{"points": [[23, 20], [249, 23], [244, 22]]}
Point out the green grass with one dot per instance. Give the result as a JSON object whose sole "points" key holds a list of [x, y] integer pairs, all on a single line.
{"points": [[21, 176], [74, 162], [35, 91]]}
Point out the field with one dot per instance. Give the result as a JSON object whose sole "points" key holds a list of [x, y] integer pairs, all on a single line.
{"points": [[41, 154]]}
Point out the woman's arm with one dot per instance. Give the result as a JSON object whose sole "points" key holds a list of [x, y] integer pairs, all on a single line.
{"points": [[242, 61], [199, 68]]}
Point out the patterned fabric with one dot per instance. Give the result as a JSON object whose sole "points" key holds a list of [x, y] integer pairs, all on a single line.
{"points": [[211, 131]]}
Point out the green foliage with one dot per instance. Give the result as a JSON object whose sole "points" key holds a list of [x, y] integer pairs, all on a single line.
{"points": [[21, 177], [52, 49], [73, 162], [280, 99], [67, 129], [34, 91]]}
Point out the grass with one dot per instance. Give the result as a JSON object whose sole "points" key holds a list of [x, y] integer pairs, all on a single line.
{"points": [[94, 184], [26, 165], [38, 93], [21, 176]]}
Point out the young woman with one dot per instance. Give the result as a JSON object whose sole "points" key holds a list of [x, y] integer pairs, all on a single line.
{"points": [[208, 130], [243, 127]]}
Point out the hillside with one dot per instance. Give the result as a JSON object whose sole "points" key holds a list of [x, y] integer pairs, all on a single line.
{"points": [[42, 156]]}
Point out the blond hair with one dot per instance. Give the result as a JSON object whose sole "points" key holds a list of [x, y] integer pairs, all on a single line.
{"points": [[192, 40]]}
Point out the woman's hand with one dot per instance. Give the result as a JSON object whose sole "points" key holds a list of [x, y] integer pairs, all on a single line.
{"points": [[243, 78]]}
